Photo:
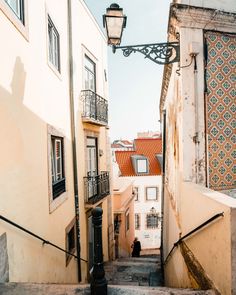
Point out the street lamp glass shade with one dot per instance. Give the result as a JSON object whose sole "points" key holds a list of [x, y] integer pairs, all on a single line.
{"points": [[114, 21]]}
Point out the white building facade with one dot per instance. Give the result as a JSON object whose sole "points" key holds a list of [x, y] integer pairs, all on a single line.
{"points": [[147, 210], [141, 165]]}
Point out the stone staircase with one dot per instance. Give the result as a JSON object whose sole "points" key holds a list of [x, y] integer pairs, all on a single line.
{"points": [[127, 276], [141, 271], [54, 289]]}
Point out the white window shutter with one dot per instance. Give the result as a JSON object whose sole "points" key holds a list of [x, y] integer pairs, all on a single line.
{"points": [[53, 162], [58, 159]]}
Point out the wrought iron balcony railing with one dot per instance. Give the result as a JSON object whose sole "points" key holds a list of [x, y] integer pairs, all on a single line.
{"points": [[96, 187], [95, 108]]}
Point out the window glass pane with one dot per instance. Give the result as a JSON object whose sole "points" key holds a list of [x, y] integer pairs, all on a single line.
{"points": [[16, 6], [152, 220], [53, 43], [90, 75], [151, 193], [71, 240], [142, 166], [89, 64]]}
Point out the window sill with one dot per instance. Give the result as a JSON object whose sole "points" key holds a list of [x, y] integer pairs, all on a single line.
{"points": [[57, 202], [55, 70], [22, 28]]}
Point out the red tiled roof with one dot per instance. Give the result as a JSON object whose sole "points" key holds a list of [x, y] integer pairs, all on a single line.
{"points": [[116, 145], [148, 147], [126, 142]]}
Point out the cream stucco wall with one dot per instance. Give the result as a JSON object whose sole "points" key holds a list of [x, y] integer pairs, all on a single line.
{"points": [[187, 201], [123, 204], [91, 42], [34, 98], [33, 95], [211, 245]]}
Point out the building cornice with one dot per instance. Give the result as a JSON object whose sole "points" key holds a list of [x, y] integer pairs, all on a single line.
{"points": [[201, 18]]}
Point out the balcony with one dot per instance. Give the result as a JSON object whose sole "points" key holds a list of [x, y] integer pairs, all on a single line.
{"points": [[96, 187], [95, 108]]}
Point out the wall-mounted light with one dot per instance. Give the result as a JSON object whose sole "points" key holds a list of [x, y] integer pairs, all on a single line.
{"points": [[161, 53], [114, 21]]}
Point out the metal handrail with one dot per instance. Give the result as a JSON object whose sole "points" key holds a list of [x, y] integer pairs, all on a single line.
{"points": [[193, 231], [38, 237]]}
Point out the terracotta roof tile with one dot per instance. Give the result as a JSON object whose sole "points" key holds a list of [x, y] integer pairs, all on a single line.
{"points": [[148, 147]]}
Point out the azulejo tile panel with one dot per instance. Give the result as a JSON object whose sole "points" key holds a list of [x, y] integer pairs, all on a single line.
{"points": [[221, 109]]}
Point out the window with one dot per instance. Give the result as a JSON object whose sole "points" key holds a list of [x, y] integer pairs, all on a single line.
{"points": [[137, 221], [17, 6], [151, 193], [70, 240], [142, 166], [53, 45], [127, 221], [57, 166], [90, 74], [152, 220], [135, 192]]}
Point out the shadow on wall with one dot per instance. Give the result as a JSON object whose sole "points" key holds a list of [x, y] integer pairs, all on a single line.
{"points": [[11, 107], [24, 150]]}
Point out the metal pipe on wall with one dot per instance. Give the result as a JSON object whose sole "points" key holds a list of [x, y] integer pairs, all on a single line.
{"points": [[73, 137]]}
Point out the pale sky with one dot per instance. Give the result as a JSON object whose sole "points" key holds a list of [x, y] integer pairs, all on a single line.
{"points": [[134, 82]]}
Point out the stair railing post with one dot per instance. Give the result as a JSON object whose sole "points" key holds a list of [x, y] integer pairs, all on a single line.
{"points": [[98, 284]]}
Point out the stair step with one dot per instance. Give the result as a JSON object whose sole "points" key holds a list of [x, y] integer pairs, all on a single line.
{"points": [[140, 259], [56, 289]]}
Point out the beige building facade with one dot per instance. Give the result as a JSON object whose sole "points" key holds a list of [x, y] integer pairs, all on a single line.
{"points": [[123, 210], [54, 164], [198, 111]]}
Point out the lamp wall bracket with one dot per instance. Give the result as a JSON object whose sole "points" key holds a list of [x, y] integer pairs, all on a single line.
{"points": [[160, 53]]}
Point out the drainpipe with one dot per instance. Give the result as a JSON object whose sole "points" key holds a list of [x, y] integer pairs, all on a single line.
{"points": [[163, 188], [73, 138], [196, 137]]}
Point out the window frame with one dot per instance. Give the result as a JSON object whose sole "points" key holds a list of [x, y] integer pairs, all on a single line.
{"points": [[136, 193], [146, 170], [55, 202], [19, 15], [146, 193], [53, 59], [58, 173], [127, 221], [155, 226], [21, 24], [87, 70], [70, 228], [137, 221]]}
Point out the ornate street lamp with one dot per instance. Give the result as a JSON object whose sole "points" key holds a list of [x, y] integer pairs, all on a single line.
{"points": [[161, 53], [153, 211], [114, 21]]}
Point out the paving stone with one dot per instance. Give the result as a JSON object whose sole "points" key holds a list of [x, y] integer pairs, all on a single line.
{"points": [[129, 276], [54, 289]]}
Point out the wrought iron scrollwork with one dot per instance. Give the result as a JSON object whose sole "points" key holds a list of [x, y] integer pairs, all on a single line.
{"points": [[160, 53]]}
